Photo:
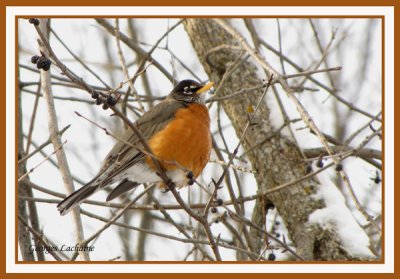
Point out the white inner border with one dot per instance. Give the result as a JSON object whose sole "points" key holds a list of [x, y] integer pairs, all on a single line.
{"points": [[387, 12]]}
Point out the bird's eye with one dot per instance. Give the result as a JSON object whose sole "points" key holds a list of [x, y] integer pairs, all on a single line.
{"points": [[187, 89]]}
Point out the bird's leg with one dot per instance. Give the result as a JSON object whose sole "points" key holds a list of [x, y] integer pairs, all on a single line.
{"points": [[169, 185]]}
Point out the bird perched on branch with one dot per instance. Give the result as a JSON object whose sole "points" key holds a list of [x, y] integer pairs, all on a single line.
{"points": [[177, 130]]}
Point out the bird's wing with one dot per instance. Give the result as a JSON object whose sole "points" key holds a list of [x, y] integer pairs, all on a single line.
{"points": [[124, 186], [122, 156]]}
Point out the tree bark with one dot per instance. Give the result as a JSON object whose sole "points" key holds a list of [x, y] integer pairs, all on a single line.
{"points": [[24, 237], [277, 160]]}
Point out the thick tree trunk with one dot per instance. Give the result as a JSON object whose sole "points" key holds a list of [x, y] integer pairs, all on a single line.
{"points": [[277, 160]]}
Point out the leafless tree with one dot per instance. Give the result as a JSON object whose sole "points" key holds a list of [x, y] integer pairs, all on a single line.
{"points": [[295, 172]]}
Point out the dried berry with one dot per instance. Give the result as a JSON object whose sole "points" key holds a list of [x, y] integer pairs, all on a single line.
{"points": [[105, 106], [220, 202], [40, 62], [34, 21], [46, 65], [377, 179], [111, 101], [95, 94], [34, 59], [339, 167], [99, 101], [320, 164], [271, 257], [214, 210]]}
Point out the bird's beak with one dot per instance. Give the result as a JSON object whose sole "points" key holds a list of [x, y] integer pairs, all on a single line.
{"points": [[205, 88]]}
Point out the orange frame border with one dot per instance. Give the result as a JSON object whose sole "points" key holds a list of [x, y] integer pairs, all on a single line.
{"points": [[176, 3]]}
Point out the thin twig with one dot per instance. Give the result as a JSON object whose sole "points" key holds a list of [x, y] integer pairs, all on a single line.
{"points": [[244, 132], [131, 44], [333, 92], [183, 240], [33, 117], [113, 219], [236, 167], [129, 80], [352, 136], [239, 208], [124, 68], [43, 145], [270, 236], [41, 239], [79, 60], [22, 177], [54, 163], [307, 73], [169, 219]]}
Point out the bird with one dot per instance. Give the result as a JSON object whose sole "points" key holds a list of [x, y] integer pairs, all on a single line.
{"points": [[177, 131]]}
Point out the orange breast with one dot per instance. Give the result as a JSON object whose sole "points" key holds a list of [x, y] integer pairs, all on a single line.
{"points": [[185, 140]]}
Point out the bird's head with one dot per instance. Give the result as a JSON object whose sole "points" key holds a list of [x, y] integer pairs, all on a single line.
{"points": [[190, 91]]}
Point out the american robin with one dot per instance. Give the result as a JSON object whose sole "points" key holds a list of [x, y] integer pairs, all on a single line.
{"points": [[177, 130]]}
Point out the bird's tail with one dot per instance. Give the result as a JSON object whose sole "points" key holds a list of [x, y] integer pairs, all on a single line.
{"points": [[76, 198]]}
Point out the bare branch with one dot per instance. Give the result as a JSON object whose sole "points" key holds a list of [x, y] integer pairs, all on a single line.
{"points": [[55, 138]]}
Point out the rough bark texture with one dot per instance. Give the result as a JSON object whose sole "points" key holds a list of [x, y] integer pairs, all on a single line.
{"points": [[278, 160]]}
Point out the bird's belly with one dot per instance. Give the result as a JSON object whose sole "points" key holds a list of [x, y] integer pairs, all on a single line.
{"points": [[139, 173]]}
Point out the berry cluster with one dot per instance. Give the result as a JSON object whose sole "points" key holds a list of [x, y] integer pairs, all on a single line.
{"points": [[214, 209], [106, 99], [42, 62]]}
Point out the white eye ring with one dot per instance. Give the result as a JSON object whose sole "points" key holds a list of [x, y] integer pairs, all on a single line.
{"points": [[186, 90]]}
